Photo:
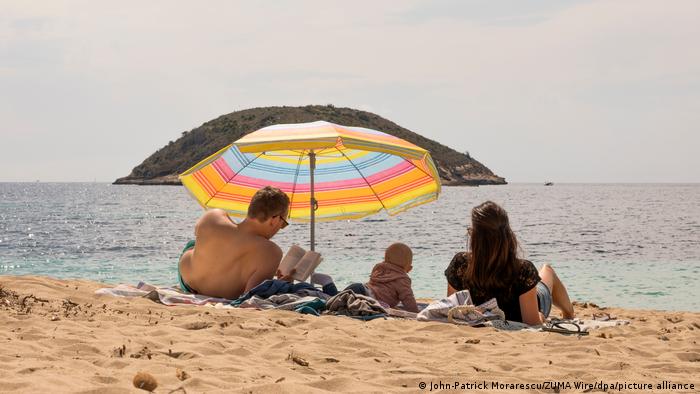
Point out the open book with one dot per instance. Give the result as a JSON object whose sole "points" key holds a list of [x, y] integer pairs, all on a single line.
{"points": [[302, 261]]}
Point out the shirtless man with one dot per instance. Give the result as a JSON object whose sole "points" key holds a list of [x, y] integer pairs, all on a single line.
{"points": [[229, 259]]}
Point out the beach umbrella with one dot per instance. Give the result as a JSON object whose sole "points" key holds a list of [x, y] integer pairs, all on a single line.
{"points": [[329, 172]]}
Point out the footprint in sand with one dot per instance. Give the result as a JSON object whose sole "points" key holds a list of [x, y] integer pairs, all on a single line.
{"points": [[465, 348], [507, 367], [180, 355], [26, 371], [104, 379], [111, 364], [80, 349], [239, 351], [198, 325], [690, 357], [371, 353], [418, 340]]}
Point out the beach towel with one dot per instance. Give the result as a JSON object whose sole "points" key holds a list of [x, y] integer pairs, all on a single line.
{"points": [[350, 304], [165, 295], [173, 296], [583, 325]]}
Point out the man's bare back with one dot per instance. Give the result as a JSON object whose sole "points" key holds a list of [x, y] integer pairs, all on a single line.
{"points": [[229, 259]]}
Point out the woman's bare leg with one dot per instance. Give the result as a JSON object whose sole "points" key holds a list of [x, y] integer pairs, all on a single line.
{"points": [[560, 298]]}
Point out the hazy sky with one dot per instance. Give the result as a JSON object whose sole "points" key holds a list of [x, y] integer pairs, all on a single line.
{"points": [[567, 91]]}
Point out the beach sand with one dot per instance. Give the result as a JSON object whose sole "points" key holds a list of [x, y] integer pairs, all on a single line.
{"points": [[58, 336]]}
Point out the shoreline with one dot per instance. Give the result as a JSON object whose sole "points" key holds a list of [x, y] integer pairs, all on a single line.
{"points": [[61, 336]]}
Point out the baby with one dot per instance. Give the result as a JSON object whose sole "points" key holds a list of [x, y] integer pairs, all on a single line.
{"points": [[389, 281]]}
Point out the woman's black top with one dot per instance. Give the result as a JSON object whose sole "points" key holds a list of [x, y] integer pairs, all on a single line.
{"points": [[524, 281]]}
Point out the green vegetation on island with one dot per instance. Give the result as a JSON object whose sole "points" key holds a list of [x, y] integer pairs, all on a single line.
{"points": [[163, 166]]}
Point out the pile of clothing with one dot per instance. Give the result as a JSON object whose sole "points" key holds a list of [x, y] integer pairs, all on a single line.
{"points": [[305, 298]]}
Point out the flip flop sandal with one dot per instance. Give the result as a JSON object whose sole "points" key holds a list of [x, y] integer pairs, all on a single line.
{"points": [[604, 316], [560, 327]]}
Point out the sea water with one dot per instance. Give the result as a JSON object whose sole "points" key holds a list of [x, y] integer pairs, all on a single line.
{"points": [[627, 245]]}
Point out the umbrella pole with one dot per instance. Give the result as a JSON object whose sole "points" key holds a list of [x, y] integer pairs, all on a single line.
{"points": [[312, 167]]}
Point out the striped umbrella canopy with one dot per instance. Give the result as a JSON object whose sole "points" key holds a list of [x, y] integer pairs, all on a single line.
{"points": [[329, 172]]}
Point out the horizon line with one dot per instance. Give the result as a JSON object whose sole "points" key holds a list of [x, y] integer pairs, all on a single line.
{"points": [[508, 183]]}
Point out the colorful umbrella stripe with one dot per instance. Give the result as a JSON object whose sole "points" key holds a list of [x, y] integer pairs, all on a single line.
{"points": [[358, 172]]}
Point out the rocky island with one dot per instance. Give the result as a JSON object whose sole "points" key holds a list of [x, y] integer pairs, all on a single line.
{"points": [[163, 166]]}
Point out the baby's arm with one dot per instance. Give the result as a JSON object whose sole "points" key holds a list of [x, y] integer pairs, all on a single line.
{"points": [[407, 299]]}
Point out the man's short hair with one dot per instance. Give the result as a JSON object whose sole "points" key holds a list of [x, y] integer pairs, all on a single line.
{"points": [[268, 202]]}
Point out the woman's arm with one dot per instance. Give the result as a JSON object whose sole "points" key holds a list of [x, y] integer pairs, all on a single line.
{"points": [[528, 308]]}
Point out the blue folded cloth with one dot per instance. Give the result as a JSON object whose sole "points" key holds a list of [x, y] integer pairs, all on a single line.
{"points": [[271, 287], [314, 307]]}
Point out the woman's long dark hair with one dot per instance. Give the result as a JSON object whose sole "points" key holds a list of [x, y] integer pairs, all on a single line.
{"points": [[493, 251]]}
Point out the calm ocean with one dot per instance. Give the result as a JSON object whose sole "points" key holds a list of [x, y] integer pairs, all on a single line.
{"points": [[635, 245]]}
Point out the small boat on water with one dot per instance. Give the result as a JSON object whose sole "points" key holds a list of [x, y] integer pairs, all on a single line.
{"points": [[549, 183]]}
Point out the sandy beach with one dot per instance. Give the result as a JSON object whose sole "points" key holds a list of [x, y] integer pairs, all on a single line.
{"points": [[57, 335]]}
